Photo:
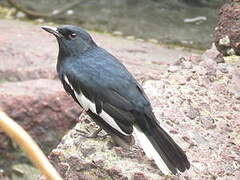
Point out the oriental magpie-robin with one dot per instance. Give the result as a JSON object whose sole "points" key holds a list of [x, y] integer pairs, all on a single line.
{"points": [[112, 97]]}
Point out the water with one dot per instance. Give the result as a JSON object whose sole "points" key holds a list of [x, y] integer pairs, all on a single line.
{"points": [[164, 20]]}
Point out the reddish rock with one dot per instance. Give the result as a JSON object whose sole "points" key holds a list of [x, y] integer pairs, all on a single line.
{"points": [[41, 107], [26, 52], [227, 33], [139, 176]]}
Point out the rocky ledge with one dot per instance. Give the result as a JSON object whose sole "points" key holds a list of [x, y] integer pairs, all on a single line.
{"points": [[196, 100]]}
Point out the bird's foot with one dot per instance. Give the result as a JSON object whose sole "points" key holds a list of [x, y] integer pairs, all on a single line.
{"points": [[83, 115], [93, 135]]}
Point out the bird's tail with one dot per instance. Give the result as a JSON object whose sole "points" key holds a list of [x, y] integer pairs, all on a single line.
{"points": [[157, 144]]}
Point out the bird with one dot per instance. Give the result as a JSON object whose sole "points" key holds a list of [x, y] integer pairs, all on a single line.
{"points": [[112, 97]]}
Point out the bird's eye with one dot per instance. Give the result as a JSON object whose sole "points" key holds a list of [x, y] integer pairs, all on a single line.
{"points": [[72, 35]]}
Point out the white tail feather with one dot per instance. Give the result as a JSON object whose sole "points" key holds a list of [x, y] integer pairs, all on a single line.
{"points": [[150, 150]]}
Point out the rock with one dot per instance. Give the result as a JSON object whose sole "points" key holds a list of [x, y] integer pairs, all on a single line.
{"points": [[211, 53], [178, 79], [191, 112], [24, 171], [41, 107], [104, 163], [70, 12], [117, 33], [237, 95], [40, 20], [130, 37], [231, 59], [20, 15], [195, 59], [208, 63], [139, 176], [155, 41], [227, 33], [225, 41], [187, 65], [20, 61], [173, 69]]}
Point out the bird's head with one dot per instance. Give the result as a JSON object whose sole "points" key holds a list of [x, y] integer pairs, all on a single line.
{"points": [[72, 40]]}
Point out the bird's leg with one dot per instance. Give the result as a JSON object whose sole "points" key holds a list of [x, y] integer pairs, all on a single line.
{"points": [[93, 135], [82, 114], [86, 132]]}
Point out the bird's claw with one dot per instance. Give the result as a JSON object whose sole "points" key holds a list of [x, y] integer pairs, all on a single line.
{"points": [[93, 135]]}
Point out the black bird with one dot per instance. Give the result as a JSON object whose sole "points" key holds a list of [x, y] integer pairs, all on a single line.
{"points": [[112, 97]]}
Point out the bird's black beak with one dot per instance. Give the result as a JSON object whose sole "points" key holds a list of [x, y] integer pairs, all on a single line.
{"points": [[52, 30]]}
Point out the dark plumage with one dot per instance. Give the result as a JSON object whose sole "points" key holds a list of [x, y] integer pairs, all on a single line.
{"points": [[112, 97]]}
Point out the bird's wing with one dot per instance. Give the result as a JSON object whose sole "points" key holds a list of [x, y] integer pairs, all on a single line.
{"points": [[110, 92]]}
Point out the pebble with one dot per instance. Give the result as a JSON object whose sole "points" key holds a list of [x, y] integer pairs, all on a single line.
{"points": [[187, 65], [172, 69], [130, 37], [237, 95], [70, 12], [155, 41], [117, 33], [40, 20], [140, 39], [56, 11], [225, 41], [20, 15]]}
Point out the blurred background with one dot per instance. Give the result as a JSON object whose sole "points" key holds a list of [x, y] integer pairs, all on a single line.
{"points": [[181, 22]]}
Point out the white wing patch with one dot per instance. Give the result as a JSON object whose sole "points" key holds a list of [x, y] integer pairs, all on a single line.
{"points": [[89, 105]]}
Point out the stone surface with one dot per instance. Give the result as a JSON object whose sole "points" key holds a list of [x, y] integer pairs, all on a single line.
{"points": [[41, 107], [202, 115], [107, 161], [227, 33]]}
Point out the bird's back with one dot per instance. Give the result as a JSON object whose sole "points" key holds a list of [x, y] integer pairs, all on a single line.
{"points": [[100, 71]]}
